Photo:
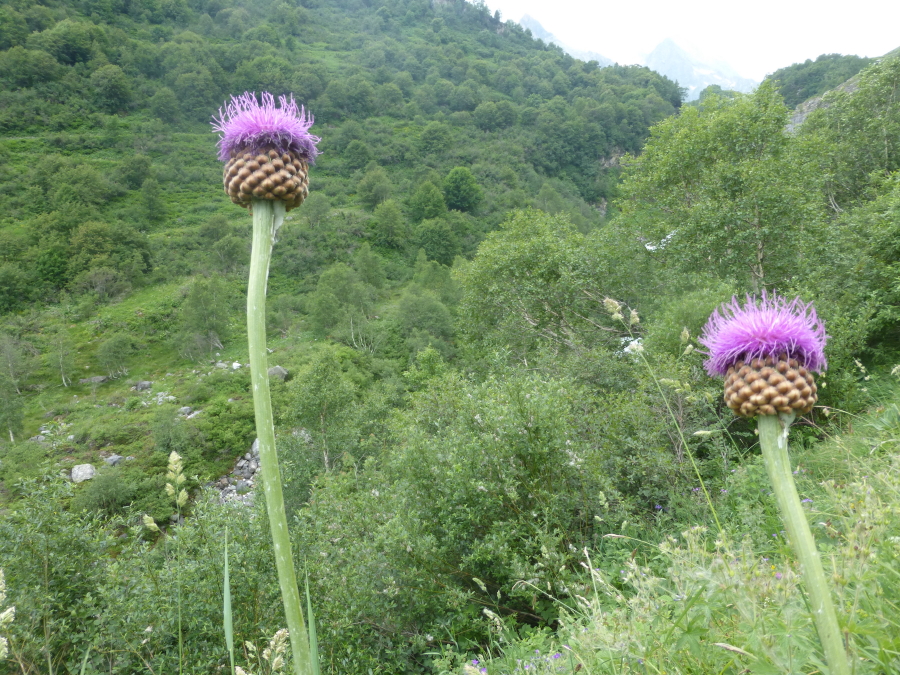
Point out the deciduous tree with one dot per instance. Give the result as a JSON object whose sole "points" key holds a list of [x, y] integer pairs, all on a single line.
{"points": [[720, 189]]}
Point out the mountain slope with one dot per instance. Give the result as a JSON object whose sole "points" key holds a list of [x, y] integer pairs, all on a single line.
{"points": [[541, 33], [677, 64]]}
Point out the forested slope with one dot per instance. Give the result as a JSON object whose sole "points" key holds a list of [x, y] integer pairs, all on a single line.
{"points": [[115, 98]]}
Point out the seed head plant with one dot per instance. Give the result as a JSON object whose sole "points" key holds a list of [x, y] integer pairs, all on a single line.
{"points": [[768, 348], [267, 149]]}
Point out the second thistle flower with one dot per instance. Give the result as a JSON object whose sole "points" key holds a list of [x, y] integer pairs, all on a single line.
{"points": [[767, 349]]}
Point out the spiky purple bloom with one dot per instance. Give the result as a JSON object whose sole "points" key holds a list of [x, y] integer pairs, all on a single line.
{"points": [[770, 326], [246, 125]]}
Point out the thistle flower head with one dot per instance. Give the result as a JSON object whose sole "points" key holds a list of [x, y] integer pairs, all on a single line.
{"points": [[768, 326], [246, 125]]}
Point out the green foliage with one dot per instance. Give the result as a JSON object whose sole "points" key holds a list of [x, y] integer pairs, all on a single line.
{"points": [[674, 604], [339, 298], [435, 277], [855, 136], [108, 492], [461, 190], [491, 116], [204, 317], [438, 239], [316, 209], [50, 555], [374, 187], [113, 354], [718, 187], [538, 279], [435, 138], [150, 200], [802, 81], [22, 67], [357, 154], [425, 320], [112, 88], [322, 402], [135, 170], [417, 493], [427, 202], [164, 105], [368, 266], [10, 409], [391, 230]]}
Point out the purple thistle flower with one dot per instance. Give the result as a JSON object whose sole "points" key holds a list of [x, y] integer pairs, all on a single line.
{"points": [[770, 326], [246, 125]]}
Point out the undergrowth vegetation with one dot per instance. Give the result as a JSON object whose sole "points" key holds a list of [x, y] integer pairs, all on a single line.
{"points": [[731, 601]]}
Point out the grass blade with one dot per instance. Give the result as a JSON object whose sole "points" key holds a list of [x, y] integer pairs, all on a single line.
{"points": [[313, 638], [226, 610], [85, 660]]}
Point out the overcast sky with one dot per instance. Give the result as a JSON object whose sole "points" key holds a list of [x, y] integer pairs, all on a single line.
{"points": [[753, 38]]}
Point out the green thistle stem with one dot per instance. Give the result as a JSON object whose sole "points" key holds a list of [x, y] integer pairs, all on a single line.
{"points": [[267, 218], [773, 435]]}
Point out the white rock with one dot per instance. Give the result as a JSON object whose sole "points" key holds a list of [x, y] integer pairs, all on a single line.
{"points": [[83, 472]]}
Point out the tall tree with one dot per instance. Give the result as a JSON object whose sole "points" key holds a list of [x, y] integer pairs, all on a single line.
{"points": [[10, 408], [720, 189], [461, 190], [14, 360], [59, 352]]}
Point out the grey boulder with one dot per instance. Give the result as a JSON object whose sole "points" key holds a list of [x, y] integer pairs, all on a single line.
{"points": [[83, 472]]}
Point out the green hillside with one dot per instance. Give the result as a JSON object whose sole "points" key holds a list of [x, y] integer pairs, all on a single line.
{"points": [[488, 311], [801, 81]]}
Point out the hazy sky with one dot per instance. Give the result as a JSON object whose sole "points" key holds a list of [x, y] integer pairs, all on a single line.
{"points": [[754, 38]]}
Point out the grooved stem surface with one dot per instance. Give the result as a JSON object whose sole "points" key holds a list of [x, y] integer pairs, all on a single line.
{"points": [[773, 441], [267, 217]]}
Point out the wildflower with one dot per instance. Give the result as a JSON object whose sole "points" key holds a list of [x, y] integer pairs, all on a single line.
{"points": [[771, 326], [246, 125], [767, 349], [268, 149]]}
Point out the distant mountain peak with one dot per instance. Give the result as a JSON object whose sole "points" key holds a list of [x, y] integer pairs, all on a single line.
{"points": [[676, 63], [538, 31]]}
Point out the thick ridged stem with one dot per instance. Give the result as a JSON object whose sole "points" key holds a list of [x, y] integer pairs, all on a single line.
{"points": [[773, 436], [267, 218]]}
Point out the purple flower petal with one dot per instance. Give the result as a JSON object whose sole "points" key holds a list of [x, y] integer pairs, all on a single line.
{"points": [[770, 326], [246, 125]]}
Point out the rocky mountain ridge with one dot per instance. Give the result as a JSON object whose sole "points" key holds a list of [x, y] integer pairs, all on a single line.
{"points": [[667, 58]]}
